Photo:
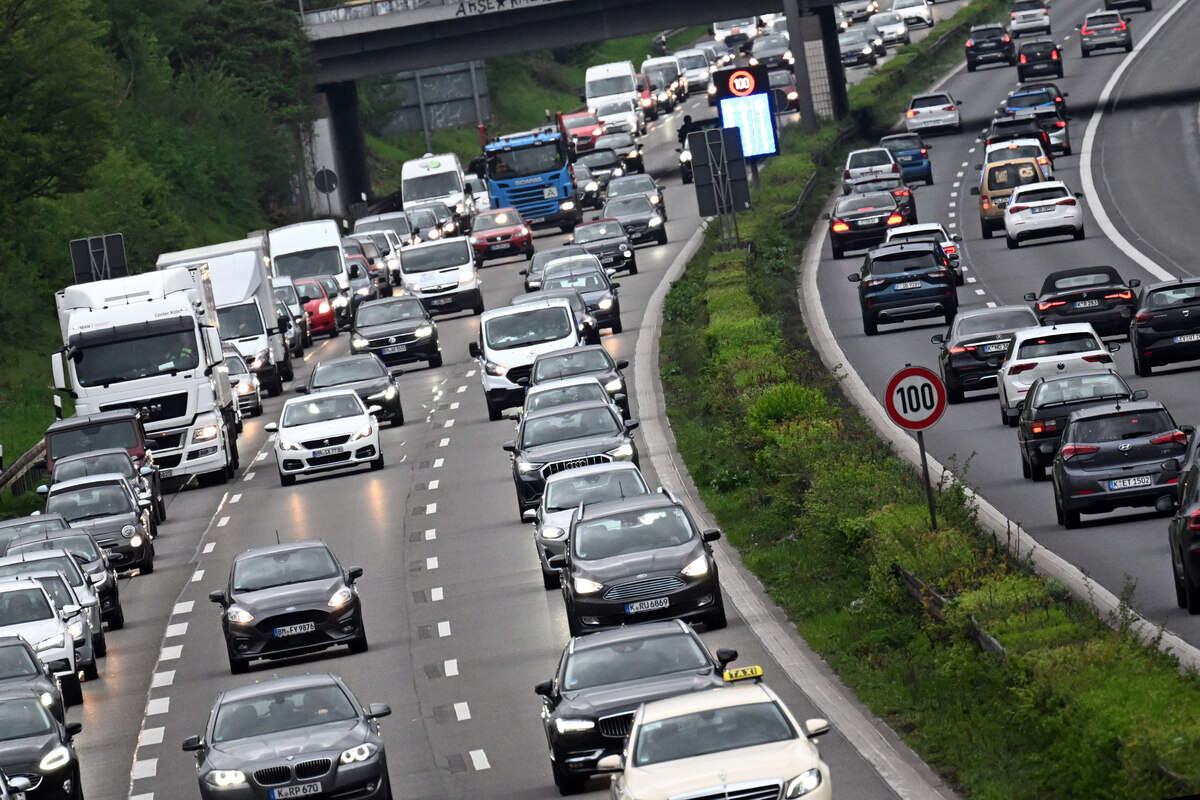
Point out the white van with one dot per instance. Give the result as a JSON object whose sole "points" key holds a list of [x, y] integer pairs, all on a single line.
{"points": [[667, 81], [510, 338], [309, 249], [615, 81], [441, 274], [437, 179], [696, 68]]}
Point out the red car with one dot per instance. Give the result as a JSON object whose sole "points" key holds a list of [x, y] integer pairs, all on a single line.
{"points": [[322, 317], [583, 128], [646, 97], [500, 233]]}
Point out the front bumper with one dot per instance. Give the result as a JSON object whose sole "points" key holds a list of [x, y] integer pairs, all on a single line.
{"points": [[693, 601], [1073, 483], [258, 639], [971, 376], [410, 350], [123, 555], [303, 462], [485, 251], [249, 400], [58, 785], [856, 59], [366, 780]]}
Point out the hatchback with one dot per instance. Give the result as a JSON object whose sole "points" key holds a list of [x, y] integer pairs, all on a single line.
{"points": [[322, 432], [1040, 210], [913, 154], [989, 44], [932, 111], [862, 220], [1066, 349], [1039, 57], [1166, 325], [967, 351], [1029, 16], [1104, 29]]}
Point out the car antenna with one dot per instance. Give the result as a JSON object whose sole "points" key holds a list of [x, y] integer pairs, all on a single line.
{"points": [[277, 537]]}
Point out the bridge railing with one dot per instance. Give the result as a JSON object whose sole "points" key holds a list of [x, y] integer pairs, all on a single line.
{"points": [[357, 9]]}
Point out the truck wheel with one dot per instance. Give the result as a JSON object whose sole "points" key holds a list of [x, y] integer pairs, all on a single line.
{"points": [[288, 372], [275, 384]]}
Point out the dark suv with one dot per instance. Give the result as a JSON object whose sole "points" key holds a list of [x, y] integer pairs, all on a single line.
{"points": [[900, 282], [989, 44], [1037, 58]]}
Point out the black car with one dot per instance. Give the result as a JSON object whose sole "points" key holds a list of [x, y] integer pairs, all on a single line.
{"points": [[598, 291], [900, 282], [636, 560], [602, 679], [607, 241], [640, 219], [299, 736], [627, 150], [860, 221], [1098, 295], [20, 668], [640, 184], [975, 338], [906, 201], [605, 165], [113, 459], [397, 330], [857, 48], [367, 376], [587, 189], [1050, 401], [591, 360], [565, 436], [989, 44], [425, 224], [36, 746], [92, 562], [1060, 97], [771, 51], [537, 265], [1003, 129], [1118, 455], [1184, 537], [589, 328], [288, 599], [1165, 326], [1039, 57]]}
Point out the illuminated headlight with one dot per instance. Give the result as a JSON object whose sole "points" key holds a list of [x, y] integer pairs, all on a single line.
{"points": [[655, 199], [591, 186], [55, 759], [358, 341], [238, 616], [698, 567], [569, 205], [51, 643], [46, 699], [225, 778], [205, 433], [75, 628], [866, 51], [712, 88], [128, 531], [753, 61], [523, 231], [573, 725], [387, 394], [647, 102], [245, 388], [360, 753], [423, 331], [476, 239], [340, 597], [622, 452], [877, 41], [615, 385], [803, 783], [433, 233], [792, 95], [364, 291], [470, 277], [605, 303], [323, 308], [585, 586], [526, 467], [661, 97], [632, 154], [685, 155], [284, 444], [340, 301], [460, 207], [787, 56], [364, 432], [655, 221], [553, 533], [617, 172], [448, 227], [135, 540], [494, 369]]}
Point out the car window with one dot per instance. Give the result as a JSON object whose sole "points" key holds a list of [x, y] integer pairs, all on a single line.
{"points": [[900, 262], [869, 202], [88, 502], [930, 100], [236, 365], [1080, 281], [601, 159], [710, 731], [311, 289], [999, 321], [496, 219], [16, 662], [435, 256], [1028, 5], [1079, 388], [1041, 195], [600, 230], [568, 364], [21, 606], [391, 311], [633, 184], [615, 140], [339, 372], [60, 593], [577, 424], [1010, 176], [562, 395], [869, 158], [631, 532], [258, 572], [23, 717], [1030, 99], [1117, 427], [1174, 296], [1037, 49], [80, 546], [1016, 151], [568, 492], [543, 257], [322, 409], [903, 143], [525, 328], [584, 282], [991, 32], [876, 184], [632, 204], [281, 711], [1061, 344], [632, 660], [87, 438], [93, 465], [1103, 19]]}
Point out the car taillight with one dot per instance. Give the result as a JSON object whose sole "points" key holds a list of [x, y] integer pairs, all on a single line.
{"points": [[895, 219], [846, 174], [1054, 55], [950, 249], [1086, 31], [1017, 369], [896, 168], [925, 150], [912, 112], [1045, 11], [902, 193], [1194, 521], [970, 42], [839, 226], [986, 204], [1125, 295], [1024, 60], [968, 349], [1120, 27], [937, 275], [1043, 161], [1013, 15], [1015, 209], [1060, 123], [1049, 304], [1067, 201], [1174, 437], [1098, 358], [1078, 450], [1048, 426], [1145, 316], [872, 283]]}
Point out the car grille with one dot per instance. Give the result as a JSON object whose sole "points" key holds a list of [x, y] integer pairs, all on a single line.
{"points": [[635, 229], [166, 462], [322, 461], [169, 440], [649, 587], [531, 200], [616, 726], [504, 237], [306, 770], [741, 791], [571, 463], [272, 776], [167, 406], [516, 373], [399, 338], [269, 624], [329, 441]]}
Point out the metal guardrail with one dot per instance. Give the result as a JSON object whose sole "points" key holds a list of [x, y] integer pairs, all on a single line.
{"points": [[26, 471]]}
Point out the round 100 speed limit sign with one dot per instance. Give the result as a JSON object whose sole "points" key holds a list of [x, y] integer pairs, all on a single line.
{"points": [[915, 398]]}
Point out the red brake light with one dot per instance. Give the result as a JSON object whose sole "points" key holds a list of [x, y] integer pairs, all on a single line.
{"points": [[1120, 27], [1046, 306], [1054, 55], [1174, 437], [1043, 161], [1125, 295], [896, 168], [901, 193], [1017, 369], [839, 226], [1194, 521], [1086, 31], [895, 219], [1045, 11], [925, 150], [968, 349], [1067, 201], [1145, 316], [1060, 123], [950, 249], [846, 174], [970, 42], [1013, 15], [1015, 209], [1078, 450], [1098, 358], [986, 204], [912, 112], [1024, 60], [1044, 427]]}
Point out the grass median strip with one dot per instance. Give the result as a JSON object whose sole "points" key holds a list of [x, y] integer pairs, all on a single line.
{"points": [[1067, 705]]}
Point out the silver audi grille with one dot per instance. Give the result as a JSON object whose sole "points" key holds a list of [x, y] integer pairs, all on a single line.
{"points": [[737, 791], [572, 463], [650, 587]]}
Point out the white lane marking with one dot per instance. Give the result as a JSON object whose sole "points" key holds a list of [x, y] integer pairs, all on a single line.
{"points": [[237, 498], [954, 194], [470, 373], [171, 653], [443, 442], [454, 406], [144, 768], [208, 548], [176, 629], [261, 456], [971, 149], [436, 594], [443, 629], [959, 174], [249, 476], [143, 796], [197, 576], [990, 304], [461, 389], [222, 522], [183, 608], [150, 736], [438, 462], [953, 204], [431, 509], [430, 534], [431, 562], [448, 423], [450, 667], [479, 760], [951, 224], [161, 679], [980, 291], [964, 166], [971, 280], [308, 356], [462, 711], [434, 484], [159, 705]]}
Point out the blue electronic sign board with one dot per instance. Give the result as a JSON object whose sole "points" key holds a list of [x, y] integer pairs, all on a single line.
{"points": [[751, 114]]}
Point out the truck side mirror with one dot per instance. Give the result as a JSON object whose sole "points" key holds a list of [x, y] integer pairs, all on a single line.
{"points": [[473, 349]]}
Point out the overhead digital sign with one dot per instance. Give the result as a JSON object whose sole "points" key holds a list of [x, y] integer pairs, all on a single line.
{"points": [[744, 102]]}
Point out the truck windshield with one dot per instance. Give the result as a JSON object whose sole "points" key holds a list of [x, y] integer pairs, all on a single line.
{"points": [[237, 322], [140, 357], [602, 87], [310, 263], [438, 256], [525, 161], [438, 184]]}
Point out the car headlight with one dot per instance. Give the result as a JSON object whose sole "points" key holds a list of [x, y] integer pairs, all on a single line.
{"points": [[225, 778], [387, 394], [614, 385], [647, 102], [866, 51], [494, 369], [792, 95], [605, 302], [75, 628], [632, 154], [877, 41], [585, 586], [753, 61], [685, 155], [591, 186], [205, 433], [573, 725], [245, 388], [655, 199], [46, 699], [323, 308], [135, 540], [617, 172], [803, 783], [662, 97], [712, 88], [551, 532], [364, 432], [697, 568], [56, 758], [360, 753], [284, 444], [51, 643], [460, 207], [358, 341], [128, 531], [340, 597], [470, 277], [526, 467], [448, 227], [423, 331], [567, 205], [788, 55], [622, 452], [655, 221], [238, 615], [260, 358], [523, 231], [364, 291]]}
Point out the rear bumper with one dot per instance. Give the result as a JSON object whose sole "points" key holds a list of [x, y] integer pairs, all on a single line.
{"points": [[990, 57], [915, 309], [1073, 482], [1165, 351], [1095, 42], [1113, 322], [451, 301]]}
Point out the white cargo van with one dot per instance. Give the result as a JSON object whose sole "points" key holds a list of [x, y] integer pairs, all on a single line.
{"points": [[437, 179], [310, 249], [614, 81], [441, 274]]}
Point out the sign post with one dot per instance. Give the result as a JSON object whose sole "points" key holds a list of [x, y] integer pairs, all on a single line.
{"points": [[915, 399]]}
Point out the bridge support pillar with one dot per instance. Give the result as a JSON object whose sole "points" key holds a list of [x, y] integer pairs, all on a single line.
{"points": [[838, 95], [337, 145]]}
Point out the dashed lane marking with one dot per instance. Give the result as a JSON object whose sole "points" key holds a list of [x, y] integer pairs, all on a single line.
{"points": [[461, 389], [171, 653], [434, 484], [971, 149], [454, 406], [237, 498], [964, 164], [436, 594], [161, 679], [208, 548], [249, 476], [151, 736], [443, 442], [261, 456], [450, 667], [951, 224], [980, 291], [970, 280], [462, 711], [470, 373], [438, 462], [448, 423], [990, 304], [479, 760], [443, 629], [431, 563], [184, 607], [143, 796], [953, 204], [431, 509], [430, 534], [159, 705], [222, 522], [145, 768], [176, 629], [197, 576]]}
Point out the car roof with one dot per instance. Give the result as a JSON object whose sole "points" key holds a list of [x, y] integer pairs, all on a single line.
{"points": [[594, 469], [922, 227], [582, 405], [1074, 376], [86, 480], [81, 420], [272, 685], [108, 451], [627, 633], [1073, 271], [983, 312], [598, 220], [434, 242], [1066, 327], [636, 503], [1150, 287], [331, 392], [352, 357], [1014, 143], [578, 269], [504, 311], [15, 521], [282, 547], [12, 583], [583, 348], [721, 697], [559, 383], [14, 641], [1109, 408], [1041, 185]]}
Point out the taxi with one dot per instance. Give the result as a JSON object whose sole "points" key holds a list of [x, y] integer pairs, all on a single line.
{"points": [[996, 183]]}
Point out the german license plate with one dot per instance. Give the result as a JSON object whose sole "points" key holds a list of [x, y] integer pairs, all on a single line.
{"points": [[647, 605], [441, 301], [294, 630], [1087, 303], [908, 158], [995, 348], [1001, 202], [164, 473], [535, 220], [908, 285], [868, 221], [1043, 209], [395, 348], [1130, 483], [299, 790], [501, 246], [327, 451], [1187, 337]]}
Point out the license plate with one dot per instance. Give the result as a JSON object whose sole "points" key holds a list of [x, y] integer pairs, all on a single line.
{"points": [[501, 246], [647, 605], [995, 348], [395, 348], [1087, 303], [294, 630], [869, 221], [441, 301], [1043, 210], [908, 285], [908, 158], [550, 193], [535, 220], [299, 790], [327, 451], [1187, 337], [1130, 483], [165, 473], [1001, 202], [608, 259]]}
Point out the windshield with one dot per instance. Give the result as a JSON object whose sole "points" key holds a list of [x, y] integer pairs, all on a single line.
{"points": [[562, 395], [567, 493], [236, 365], [606, 86], [531, 160], [240, 321], [903, 143], [634, 204], [584, 282], [885, 19], [339, 372], [140, 357], [254, 573], [88, 502], [1174, 296], [999, 321], [526, 328], [384, 313], [577, 424], [1016, 151], [660, 77], [615, 141], [632, 661], [23, 605], [574, 363], [282, 711], [543, 257], [989, 33], [902, 262], [1009, 176], [15, 662], [583, 121], [11, 532], [81, 546], [1062, 344], [572, 298], [310, 263], [711, 731], [422, 218], [614, 107], [931, 100], [599, 230], [23, 717], [694, 61], [322, 409], [631, 532], [93, 465], [496, 219], [1117, 427], [599, 159], [773, 42], [438, 184], [311, 289], [398, 224], [1079, 388], [435, 256], [866, 202], [569, 263], [852, 38]]}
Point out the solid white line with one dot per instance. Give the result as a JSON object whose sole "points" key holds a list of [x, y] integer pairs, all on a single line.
{"points": [[461, 389], [431, 509], [462, 711], [249, 476], [430, 534], [144, 768], [479, 760], [450, 667], [443, 442], [170, 653], [444, 629], [197, 576], [434, 484], [184, 607], [208, 548], [237, 498], [436, 594], [222, 522], [431, 562], [159, 705], [438, 462], [448, 423], [150, 736], [176, 629], [160, 679], [1089, 142]]}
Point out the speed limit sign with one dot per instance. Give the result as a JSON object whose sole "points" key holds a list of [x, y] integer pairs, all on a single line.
{"points": [[915, 398]]}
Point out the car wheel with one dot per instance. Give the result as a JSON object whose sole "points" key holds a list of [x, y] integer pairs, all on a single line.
{"points": [[1020, 76], [870, 326], [397, 420], [633, 268], [275, 385], [287, 480], [1193, 594], [91, 671], [477, 310], [1181, 595], [333, 332], [1084, 52], [566, 782], [929, 177], [100, 645], [1011, 242], [1079, 234], [970, 67], [662, 238], [494, 412], [617, 327], [147, 565], [551, 580], [238, 666], [1067, 518], [1142, 369], [359, 643], [117, 620], [954, 393], [258, 411], [1025, 467], [377, 464], [1003, 416], [436, 361], [1129, 47], [160, 508], [950, 315], [72, 691], [837, 252], [289, 371], [716, 620], [985, 229], [1037, 472]]}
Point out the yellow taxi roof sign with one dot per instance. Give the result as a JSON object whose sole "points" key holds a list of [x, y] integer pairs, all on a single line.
{"points": [[743, 673]]}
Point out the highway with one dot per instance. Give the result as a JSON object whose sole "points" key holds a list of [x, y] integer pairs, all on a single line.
{"points": [[1146, 171]]}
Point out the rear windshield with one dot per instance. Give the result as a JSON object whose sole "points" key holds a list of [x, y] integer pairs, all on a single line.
{"points": [[1009, 176], [1028, 5], [1030, 99], [84, 439], [930, 100], [1057, 345], [1116, 427], [869, 158], [1103, 19], [1017, 151], [999, 321], [1037, 49], [1039, 195], [1079, 388], [1066, 283], [907, 261], [870, 202], [989, 33], [1175, 296], [903, 143]]}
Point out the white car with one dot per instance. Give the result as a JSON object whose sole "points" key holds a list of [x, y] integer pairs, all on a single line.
{"points": [[890, 27], [869, 163], [1048, 351], [918, 12], [620, 116], [1019, 148], [737, 741], [26, 610], [325, 431], [929, 232], [1038, 210], [696, 67], [933, 110]]}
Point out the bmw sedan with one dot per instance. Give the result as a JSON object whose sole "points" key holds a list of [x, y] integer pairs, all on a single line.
{"points": [[37, 747], [302, 736], [397, 330], [326, 431], [287, 599]]}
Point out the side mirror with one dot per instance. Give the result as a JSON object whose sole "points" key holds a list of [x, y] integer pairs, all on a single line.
{"points": [[610, 764], [283, 322], [43, 490], [271, 427], [305, 299], [525, 271], [217, 596], [395, 372], [374, 409], [301, 389], [522, 381], [1142, 394], [192, 743], [70, 610], [619, 396], [1079, 195], [545, 688], [622, 364], [529, 515], [19, 783], [568, 240], [938, 338], [1113, 347], [557, 562], [710, 534], [74, 729], [956, 237], [1190, 430], [975, 190], [631, 424], [614, 285], [1078, 27], [473, 350], [1030, 297], [512, 413], [825, 217], [815, 727], [353, 574], [854, 277], [726, 655], [1134, 283], [377, 710], [509, 447]]}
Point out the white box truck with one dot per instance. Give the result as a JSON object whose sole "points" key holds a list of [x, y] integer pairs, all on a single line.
{"points": [[241, 285], [437, 179], [311, 249], [150, 342]]}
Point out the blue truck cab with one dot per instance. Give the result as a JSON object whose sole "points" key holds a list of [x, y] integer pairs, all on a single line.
{"points": [[531, 171]]}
